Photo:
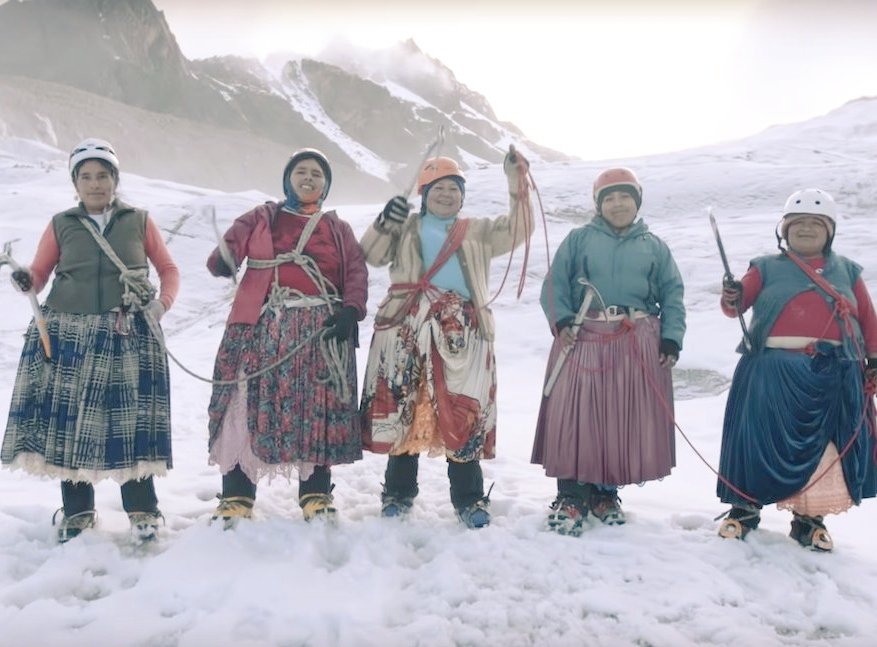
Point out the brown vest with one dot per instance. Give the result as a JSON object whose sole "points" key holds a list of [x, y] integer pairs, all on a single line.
{"points": [[86, 281]]}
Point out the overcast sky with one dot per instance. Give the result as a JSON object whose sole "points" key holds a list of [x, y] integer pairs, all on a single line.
{"points": [[595, 79]]}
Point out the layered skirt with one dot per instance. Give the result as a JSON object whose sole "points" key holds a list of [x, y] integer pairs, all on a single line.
{"points": [[100, 408], [290, 417], [430, 384], [609, 416], [788, 416]]}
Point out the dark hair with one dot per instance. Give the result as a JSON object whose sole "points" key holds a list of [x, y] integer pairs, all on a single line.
{"points": [[460, 182], [114, 172]]}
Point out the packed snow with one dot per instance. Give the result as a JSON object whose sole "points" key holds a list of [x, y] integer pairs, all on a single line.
{"points": [[665, 579]]}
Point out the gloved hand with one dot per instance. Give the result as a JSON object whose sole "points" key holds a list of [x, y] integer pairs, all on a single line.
{"points": [[396, 210], [732, 293], [221, 268], [340, 325], [565, 333], [155, 309], [21, 280], [668, 353], [871, 369], [515, 167]]}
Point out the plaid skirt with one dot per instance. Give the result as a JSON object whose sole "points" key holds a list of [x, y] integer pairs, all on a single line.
{"points": [[99, 409], [290, 417]]}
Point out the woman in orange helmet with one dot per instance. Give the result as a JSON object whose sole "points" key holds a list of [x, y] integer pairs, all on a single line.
{"points": [[613, 299], [430, 381]]}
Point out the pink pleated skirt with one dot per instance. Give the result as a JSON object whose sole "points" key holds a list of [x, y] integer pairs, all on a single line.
{"points": [[609, 417]]}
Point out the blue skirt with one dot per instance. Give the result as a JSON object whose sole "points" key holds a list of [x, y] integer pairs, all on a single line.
{"points": [[99, 409], [783, 409]]}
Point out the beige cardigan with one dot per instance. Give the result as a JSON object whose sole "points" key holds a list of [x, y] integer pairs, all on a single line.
{"points": [[399, 245]]}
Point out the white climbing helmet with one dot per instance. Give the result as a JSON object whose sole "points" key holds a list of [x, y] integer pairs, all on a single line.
{"points": [[93, 148], [811, 201]]}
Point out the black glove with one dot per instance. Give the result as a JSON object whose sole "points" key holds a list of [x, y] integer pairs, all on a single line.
{"points": [[669, 348], [22, 280], [396, 210], [221, 268], [566, 322], [871, 368], [340, 326]]}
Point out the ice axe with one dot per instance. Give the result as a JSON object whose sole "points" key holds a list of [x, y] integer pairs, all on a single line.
{"points": [[224, 251], [6, 259], [747, 341], [576, 325], [433, 151]]}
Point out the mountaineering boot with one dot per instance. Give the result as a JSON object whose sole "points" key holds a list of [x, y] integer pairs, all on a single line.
{"points": [[467, 493], [72, 526], [567, 516], [144, 526], [811, 533], [315, 495], [400, 485], [318, 506], [739, 520], [606, 506], [232, 509], [395, 506], [475, 515]]}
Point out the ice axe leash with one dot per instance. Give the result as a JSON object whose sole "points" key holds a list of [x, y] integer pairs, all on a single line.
{"points": [[39, 320], [729, 276]]}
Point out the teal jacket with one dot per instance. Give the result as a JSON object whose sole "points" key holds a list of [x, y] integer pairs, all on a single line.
{"points": [[633, 269]]}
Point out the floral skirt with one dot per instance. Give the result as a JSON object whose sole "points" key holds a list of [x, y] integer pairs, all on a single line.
{"points": [[290, 417], [609, 418], [430, 384], [100, 408]]}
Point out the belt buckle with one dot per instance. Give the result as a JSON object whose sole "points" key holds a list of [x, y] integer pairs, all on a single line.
{"points": [[614, 311]]}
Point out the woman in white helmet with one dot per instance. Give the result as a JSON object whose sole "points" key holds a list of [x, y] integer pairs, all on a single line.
{"points": [[304, 289], [430, 383], [97, 405], [799, 423]]}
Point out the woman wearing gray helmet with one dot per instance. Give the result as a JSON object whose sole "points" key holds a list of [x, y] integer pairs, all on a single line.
{"points": [[799, 420], [285, 400], [96, 405]]}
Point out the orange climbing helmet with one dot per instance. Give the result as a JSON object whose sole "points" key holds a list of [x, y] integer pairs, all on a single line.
{"points": [[438, 168], [617, 178]]}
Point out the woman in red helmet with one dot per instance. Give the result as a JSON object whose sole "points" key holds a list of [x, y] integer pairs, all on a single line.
{"points": [[97, 406], [430, 382], [799, 423], [299, 301], [613, 299]]}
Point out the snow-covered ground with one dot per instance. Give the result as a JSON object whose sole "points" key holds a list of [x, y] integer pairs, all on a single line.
{"points": [[665, 579]]}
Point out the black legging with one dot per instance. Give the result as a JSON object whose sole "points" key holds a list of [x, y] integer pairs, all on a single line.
{"points": [[137, 496]]}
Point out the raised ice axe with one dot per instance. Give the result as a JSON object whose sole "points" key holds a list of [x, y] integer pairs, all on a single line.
{"points": [[729, 276]]}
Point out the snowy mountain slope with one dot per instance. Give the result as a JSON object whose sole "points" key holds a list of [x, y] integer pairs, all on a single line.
{"points": [[126, 52], [662, 580]]}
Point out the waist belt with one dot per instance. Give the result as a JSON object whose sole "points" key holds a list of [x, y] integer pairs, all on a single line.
{"points": [[616, 313], [795, 343]]}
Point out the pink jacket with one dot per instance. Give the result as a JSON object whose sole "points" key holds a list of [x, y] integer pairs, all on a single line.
{"points": [[250, 236]]}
